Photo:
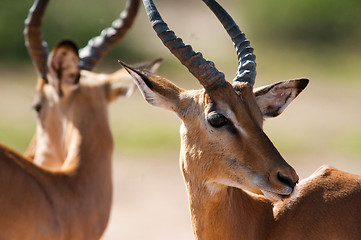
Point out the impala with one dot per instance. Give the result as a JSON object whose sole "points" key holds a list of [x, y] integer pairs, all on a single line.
{"points": [[238, 184], [72, 203], [90, 56]]}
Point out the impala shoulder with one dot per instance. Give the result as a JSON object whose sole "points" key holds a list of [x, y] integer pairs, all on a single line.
{"points": [[328, 173], [321, 175], [331, 183], [325, 171]]}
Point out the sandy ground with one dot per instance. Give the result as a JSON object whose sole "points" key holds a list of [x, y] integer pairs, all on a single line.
{"points": [[150, 200]]}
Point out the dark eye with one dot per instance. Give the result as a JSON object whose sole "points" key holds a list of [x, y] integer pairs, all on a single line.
{"points": [[37, 107], [217, 120]]}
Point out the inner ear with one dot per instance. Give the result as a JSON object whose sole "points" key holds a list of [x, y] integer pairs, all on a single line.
{"points": [[156, 90], [273, 99], [64, 67]]}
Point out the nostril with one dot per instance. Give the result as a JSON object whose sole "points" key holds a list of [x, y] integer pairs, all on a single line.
{"points": [[286, 180]]}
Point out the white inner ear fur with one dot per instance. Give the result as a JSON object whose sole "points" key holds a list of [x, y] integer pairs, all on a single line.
{"points": [[154, 67], [276, 99], [151, 96], [125, 88], [122, 85]]}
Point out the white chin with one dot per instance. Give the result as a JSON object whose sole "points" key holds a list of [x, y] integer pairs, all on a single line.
{"points": [[274, 196], [271, 196]]}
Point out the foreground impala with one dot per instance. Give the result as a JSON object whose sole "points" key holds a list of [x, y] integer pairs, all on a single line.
{"points": [[239, 186], [90, 56], [72, 203]]}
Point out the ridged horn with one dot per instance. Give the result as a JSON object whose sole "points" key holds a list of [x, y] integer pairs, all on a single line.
{"points": [[99, 46], [204, 70], [246, 58], [37, 47]]}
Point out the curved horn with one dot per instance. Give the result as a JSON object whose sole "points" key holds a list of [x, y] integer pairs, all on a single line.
{"points": [[37, 47], [99, 46], [203, 70], [246, 58]]}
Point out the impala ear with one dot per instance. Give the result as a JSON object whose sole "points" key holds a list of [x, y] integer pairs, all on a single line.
{"points": [[156, 90], [273, 99], [122, 83], [64, 67]]}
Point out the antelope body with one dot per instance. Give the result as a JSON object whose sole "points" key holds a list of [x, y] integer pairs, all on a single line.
{"points": [[89, 56], [238, 184], [72, 202]]}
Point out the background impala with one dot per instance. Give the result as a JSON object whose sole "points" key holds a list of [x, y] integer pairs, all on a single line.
{"points": [[322, 127]]}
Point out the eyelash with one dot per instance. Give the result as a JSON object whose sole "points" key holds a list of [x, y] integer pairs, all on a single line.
{"points": [[217, 120]]}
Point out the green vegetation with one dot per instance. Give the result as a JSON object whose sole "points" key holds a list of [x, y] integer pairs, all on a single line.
{"points": [[17, 136], [306, 22], [348, 142], [78, 20], [152, 137]]}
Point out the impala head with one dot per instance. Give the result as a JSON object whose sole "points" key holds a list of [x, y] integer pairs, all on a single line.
{"points": [[73, 97], [223, 143], [68, 93]]}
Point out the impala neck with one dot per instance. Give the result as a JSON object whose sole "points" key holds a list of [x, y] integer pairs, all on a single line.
{"points": [[219, 211], [90, 143], [90, 147], [89, 179]]}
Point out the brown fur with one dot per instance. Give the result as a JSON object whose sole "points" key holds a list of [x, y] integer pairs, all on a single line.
{"points": [[42, 204], [74, 200], [327, 205], [227, 168]]}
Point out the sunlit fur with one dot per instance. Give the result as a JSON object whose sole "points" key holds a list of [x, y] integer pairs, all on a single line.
{"points": [[74, 202], [41, 204], [238, 154], [49, 151], [228, 169]]}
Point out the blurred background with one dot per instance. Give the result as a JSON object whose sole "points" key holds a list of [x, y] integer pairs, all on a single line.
{"points": [[319, 40]]}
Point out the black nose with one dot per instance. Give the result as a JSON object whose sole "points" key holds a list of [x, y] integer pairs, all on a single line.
{"points": [[286, 180]]}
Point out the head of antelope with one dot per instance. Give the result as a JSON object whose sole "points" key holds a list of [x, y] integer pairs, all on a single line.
{"points": [[68, 91], [71, 96], [223, 143]]}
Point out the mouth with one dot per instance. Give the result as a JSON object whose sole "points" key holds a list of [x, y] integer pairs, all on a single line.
{"points": [[275, 196]]}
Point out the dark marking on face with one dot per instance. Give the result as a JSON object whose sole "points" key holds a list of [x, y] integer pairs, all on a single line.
{"points": [[233, 130], [233, 163], [228, 125], [236, 166]]}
